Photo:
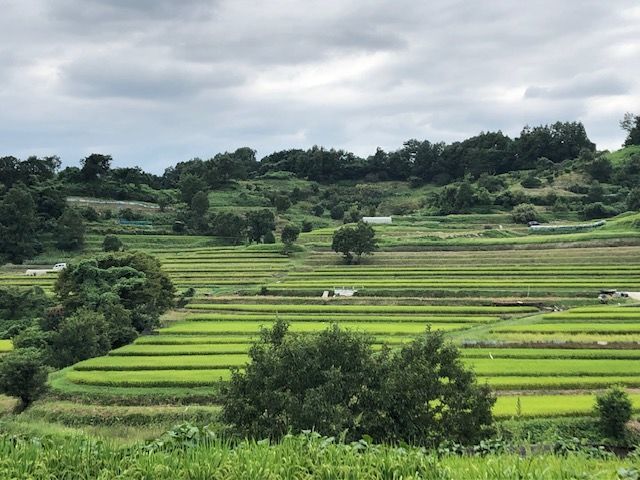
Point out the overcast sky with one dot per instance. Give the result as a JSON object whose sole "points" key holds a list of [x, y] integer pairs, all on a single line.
{"points": [[154, 82]]}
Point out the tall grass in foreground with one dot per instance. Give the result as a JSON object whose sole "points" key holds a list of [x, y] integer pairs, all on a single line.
{"points": [[187, 454]]}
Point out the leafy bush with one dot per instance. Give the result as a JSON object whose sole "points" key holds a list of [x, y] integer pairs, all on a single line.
{"points": [[23, 375], [269, 238], [524, 213], [289, 235], [337, 212], [633, 199], [90, 214], [531, 182], [70, 230], [111, 243], [307, 226], [598, 210], [354, 240], [613, 408], [335, 384]]}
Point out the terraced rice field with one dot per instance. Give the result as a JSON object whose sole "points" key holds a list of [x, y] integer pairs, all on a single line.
{"points": [[557, 272], [551, 360], [200, 349], [208, 269]]}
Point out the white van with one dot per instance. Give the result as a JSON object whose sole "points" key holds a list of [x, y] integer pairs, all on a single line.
{"points": [[59, 266]]}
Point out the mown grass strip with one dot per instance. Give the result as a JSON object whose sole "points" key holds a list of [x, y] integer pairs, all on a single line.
{"points": [[184, 349], [333, 317], [402, 328], [168, 362], [558, 382], [150, 378], [551, 353], [568, 327], [361, 308], [553, 367]]}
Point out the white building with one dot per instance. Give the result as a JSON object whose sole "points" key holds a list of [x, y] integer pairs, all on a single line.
{"points": [[377, 220]]}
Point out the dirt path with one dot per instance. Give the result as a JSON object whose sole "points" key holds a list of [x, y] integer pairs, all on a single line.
{"points": [[634, 295]]}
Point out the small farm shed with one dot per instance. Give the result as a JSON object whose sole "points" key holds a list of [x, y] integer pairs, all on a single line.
{"points": [[377, 220], [344, 292]]}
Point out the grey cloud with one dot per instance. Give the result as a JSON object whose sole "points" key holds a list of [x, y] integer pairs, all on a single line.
{"points": [[159, 81], [582, 86], [116, 76]]}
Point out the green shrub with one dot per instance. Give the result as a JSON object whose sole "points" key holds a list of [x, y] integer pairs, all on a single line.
{"points": [[112, 243], [613, 408], [23, 375], [269, 238], [337, 212], [598, 210], [334, 384], [307, 226], [531, 182], [525, 213]]}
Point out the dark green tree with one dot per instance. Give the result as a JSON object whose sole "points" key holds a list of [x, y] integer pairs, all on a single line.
{"points": [[259, 223], [354, 241], [337, 212], [95, 167], [282, 203], [78, 337], [613, 409], [230, 226], [189, 185], [633, 199], [289, 235], [631, 124], [129, 289], [112, 243], [596, 192], [70, 230], [525, 213], [334, 383], [600, 169], [23, 374], [200, 204], [18, 225]]}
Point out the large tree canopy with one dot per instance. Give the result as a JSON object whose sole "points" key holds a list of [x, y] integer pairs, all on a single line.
{"points": [[334, 383]]}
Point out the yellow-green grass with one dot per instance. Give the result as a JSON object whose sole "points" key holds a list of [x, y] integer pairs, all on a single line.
{"points": [[336, 317], [440, 309], [5, 346], [540, 367], [64, 388], [566, 338], [402, 328], [167, 362], [225, 339], [478, 283], [185, 349], [550, 405], [471, 269], [551, 353], [558, 382], [570, 327], [203, 378], [621, 313], [149, 378], [221, 340], [482, 366], [7, 404]]}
